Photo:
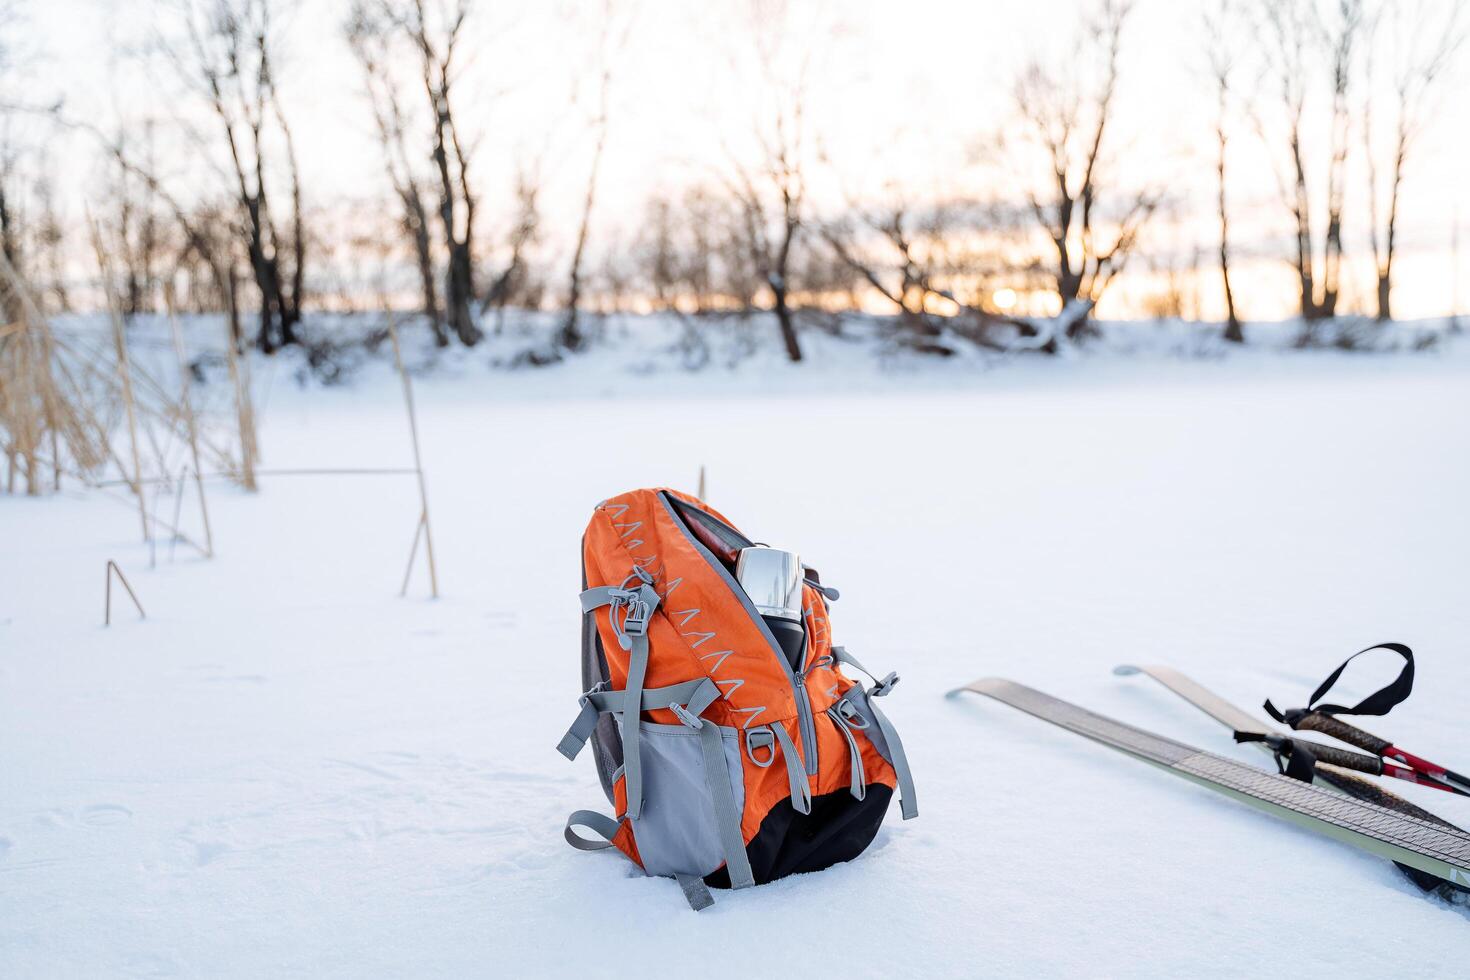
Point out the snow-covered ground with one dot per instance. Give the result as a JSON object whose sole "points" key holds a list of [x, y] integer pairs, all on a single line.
{"points": [[286, 769]]}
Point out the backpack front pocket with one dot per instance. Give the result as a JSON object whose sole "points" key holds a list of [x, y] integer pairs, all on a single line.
{"points": [[682, 829]]}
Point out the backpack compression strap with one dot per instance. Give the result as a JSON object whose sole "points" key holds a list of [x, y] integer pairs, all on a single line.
{"points": [[908, 804], [637, 606]]}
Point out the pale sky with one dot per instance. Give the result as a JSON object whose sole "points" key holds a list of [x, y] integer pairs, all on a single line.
{"points": [[899, 92]]}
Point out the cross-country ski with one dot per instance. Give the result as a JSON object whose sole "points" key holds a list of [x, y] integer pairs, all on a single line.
{"points": [[1435, 849], [1238, 721]]}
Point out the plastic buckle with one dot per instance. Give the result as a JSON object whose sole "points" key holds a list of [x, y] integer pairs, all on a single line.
{"points": [[640, 610], [688, 717], [884, 686], [636, 622], [597, 688]]}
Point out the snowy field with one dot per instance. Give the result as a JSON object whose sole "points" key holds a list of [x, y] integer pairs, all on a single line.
{"points": [[286, 769]]}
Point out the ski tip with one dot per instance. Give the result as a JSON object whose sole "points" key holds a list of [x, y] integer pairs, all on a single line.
{"points": [[975, 687], [1127, 670]]}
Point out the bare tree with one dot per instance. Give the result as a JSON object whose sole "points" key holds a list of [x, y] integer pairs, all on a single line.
{"points": [[939, 265], [1065, 114], [436, 35], [1422, 46], [1303, 39], [1220, 56], [771, 188], [136, 228], [370, 35], [229, 56], [570, 336], [514, 282], [50, 243], [693, 255]]}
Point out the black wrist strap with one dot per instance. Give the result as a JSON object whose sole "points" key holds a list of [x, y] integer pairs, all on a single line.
{"points": [[1380, 702]]}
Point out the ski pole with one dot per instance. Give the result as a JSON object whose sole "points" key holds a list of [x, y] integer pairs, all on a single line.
{"points": [[1336, 728], [1323, 718], [1329, 755]]}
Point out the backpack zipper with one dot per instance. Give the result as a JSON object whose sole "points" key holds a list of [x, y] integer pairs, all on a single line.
{"points": [[798, 688]]}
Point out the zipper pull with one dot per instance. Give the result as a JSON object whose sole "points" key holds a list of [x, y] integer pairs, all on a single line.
{"points": [[828, 593]]}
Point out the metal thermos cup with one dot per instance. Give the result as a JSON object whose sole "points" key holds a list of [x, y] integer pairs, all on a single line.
{"points": [[772, 579]]}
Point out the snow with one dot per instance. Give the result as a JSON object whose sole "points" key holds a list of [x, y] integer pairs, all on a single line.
{"points": [[286, 769]]}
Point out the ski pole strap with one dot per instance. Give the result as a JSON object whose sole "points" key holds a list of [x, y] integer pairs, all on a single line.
{"points": [[1380, 702], [1293, 758]]}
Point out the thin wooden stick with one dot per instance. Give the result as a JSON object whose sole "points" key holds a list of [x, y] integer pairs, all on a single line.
{"points": [[154, 519], [395, 471], [123, 372], [413, 551], [188, 406], [700, 494], [178, 507], [240, 379], [107, 610], [413, 429]]}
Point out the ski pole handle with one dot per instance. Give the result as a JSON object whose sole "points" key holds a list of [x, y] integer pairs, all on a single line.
{"points": [[1334, 727], [1330, 755]]}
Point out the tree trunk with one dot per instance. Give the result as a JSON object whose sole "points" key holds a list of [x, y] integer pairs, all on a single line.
{"points": [[1233, 332], [787, 322], [418, 222], [457, 295]]}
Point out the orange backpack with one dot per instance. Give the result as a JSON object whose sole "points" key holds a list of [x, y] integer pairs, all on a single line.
{"points": [[725, 765]]}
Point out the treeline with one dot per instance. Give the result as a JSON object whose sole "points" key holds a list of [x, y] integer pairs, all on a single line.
{"points": [[1335, 94]]}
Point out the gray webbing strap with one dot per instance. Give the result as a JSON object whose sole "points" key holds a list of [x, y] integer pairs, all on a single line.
{"points": [[727, 817], [881, 687], [706, 692], [696, 892], [571, 743], [599, 597], [801, 787], [695, 695], [603, 826], [841, 655], [858, 784], [908, 805], [632, 761]]}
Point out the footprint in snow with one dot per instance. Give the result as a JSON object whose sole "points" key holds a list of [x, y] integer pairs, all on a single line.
{"points": [[105, 815], [5, 844]]}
